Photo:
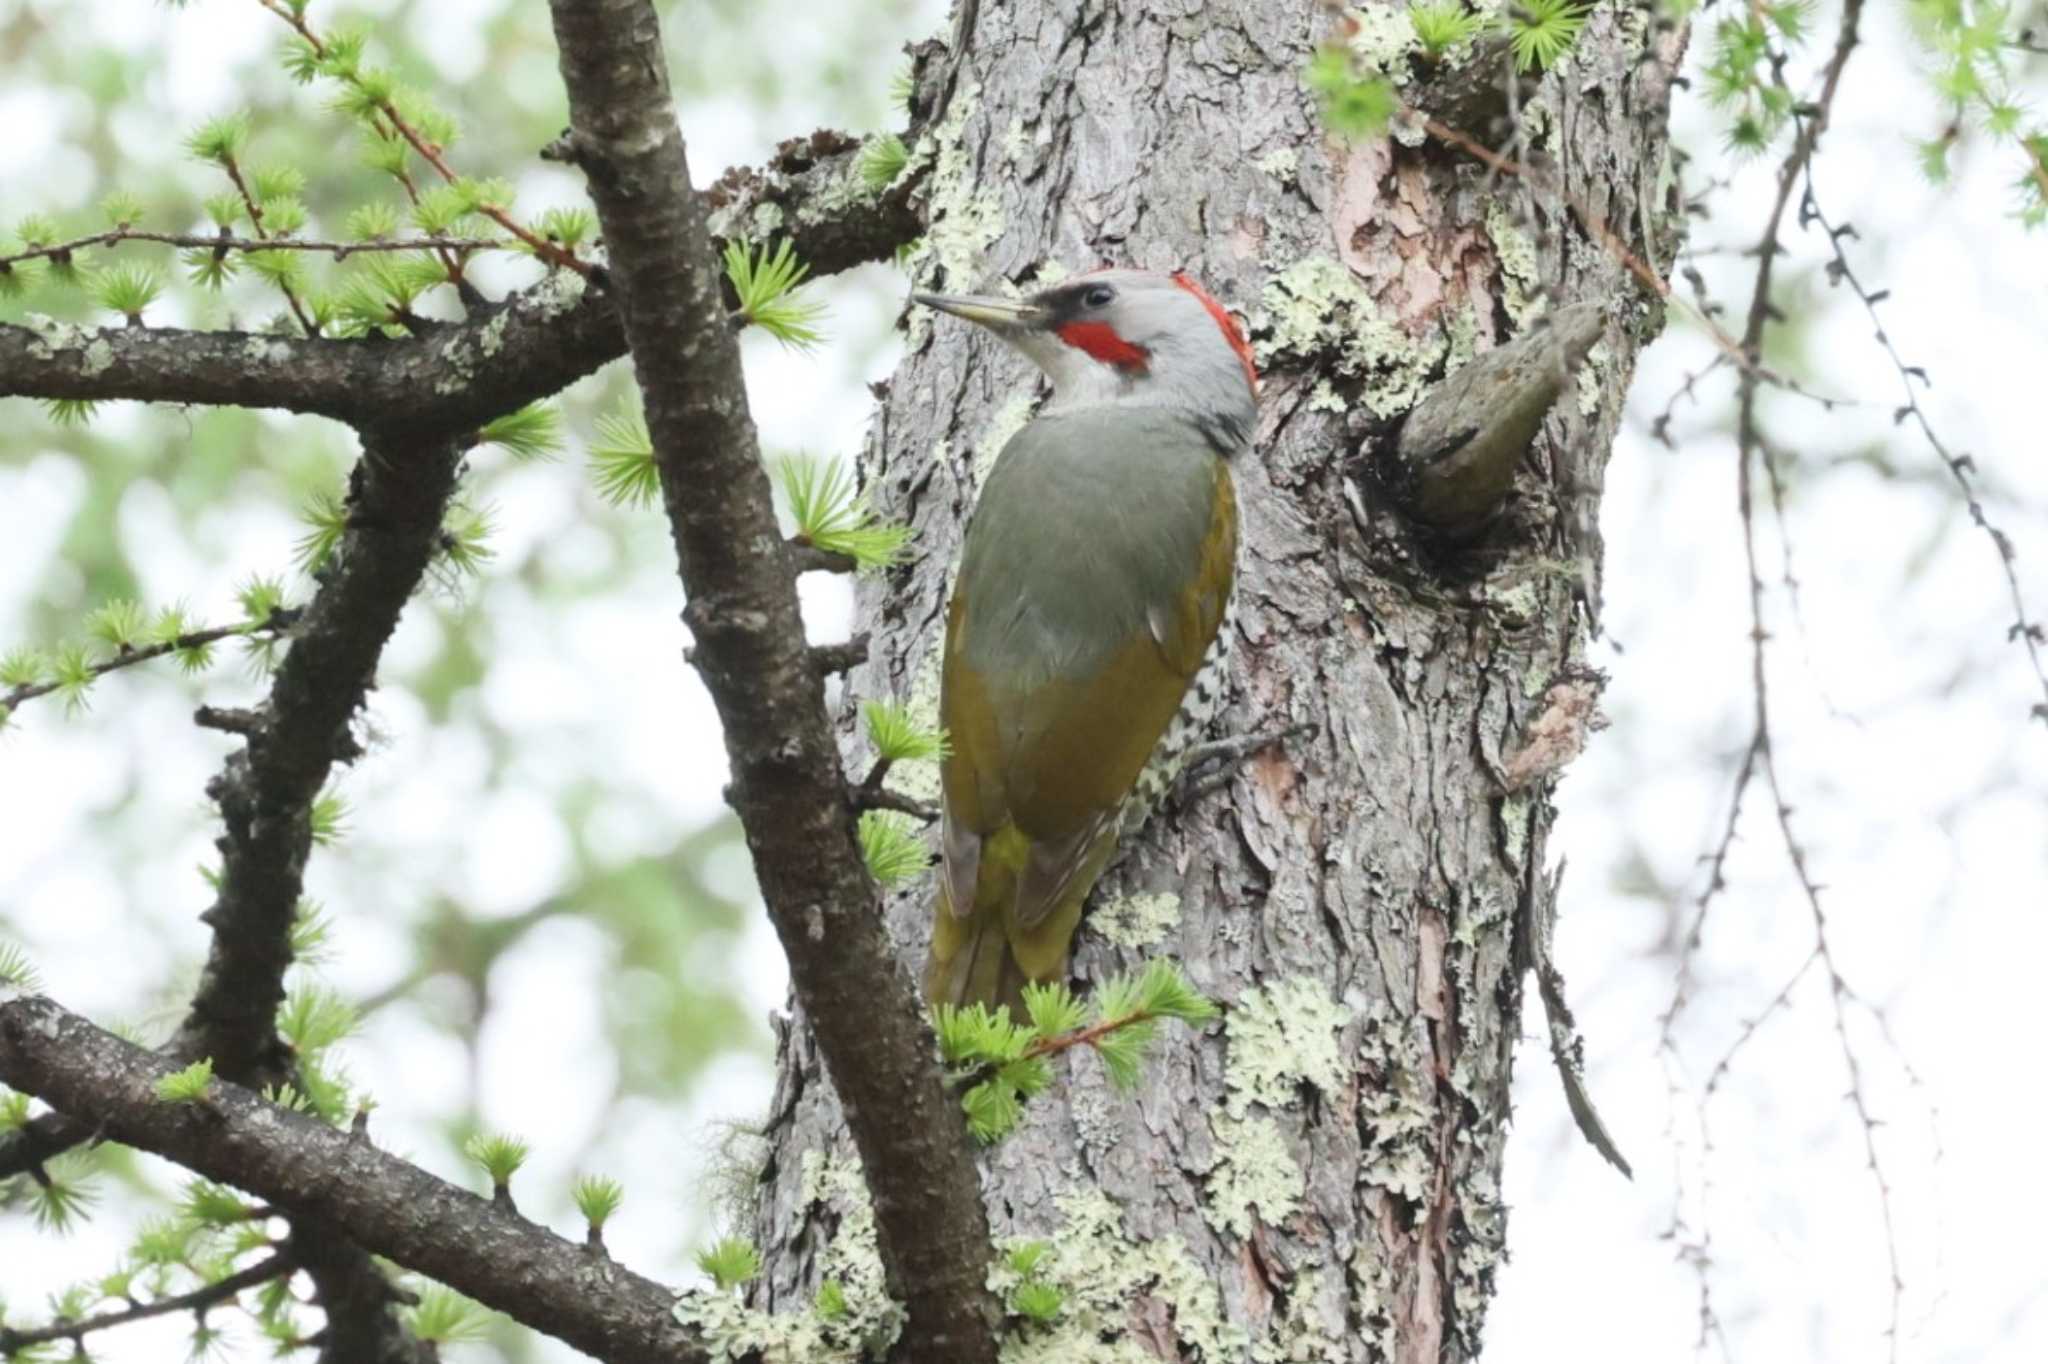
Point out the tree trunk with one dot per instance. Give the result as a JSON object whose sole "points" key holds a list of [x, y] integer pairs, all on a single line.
{"points": [[1317, 1178]]}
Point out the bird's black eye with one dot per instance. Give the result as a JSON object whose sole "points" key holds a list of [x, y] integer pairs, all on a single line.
{"points": [[1099, 296]]}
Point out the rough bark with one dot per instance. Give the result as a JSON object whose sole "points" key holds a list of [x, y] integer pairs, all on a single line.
{"points": [[1319, 1177]]}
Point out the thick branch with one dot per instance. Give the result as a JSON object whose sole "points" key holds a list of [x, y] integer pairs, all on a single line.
{"points": [[398, 495], [787, 786], [318, 1174], [455, 377]]}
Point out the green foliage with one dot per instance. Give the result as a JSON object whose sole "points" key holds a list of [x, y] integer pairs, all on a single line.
{"points": [[220, 140], [1023, 1260], [831, 1300], [730, 1262], [465, 546], [119, 624], [325, 517], [1003, 1062], [533, 432], [125, 289], [187, 1086], [830, 514], [23, 667], [881, 160], [310, 931], [1441, 25], [898, 737], [567, 228], [70, 411], [892, 847], [208, 1204], [499, 1153], [767, 284], [597, 1198], [1542, 31], [121, 209], [314, 1018], [1353, 106], [622, 461], [71, 668], [1037, 1301], [260, 598], [371, 222], [67, 1193], [170, 626], [17, 972], [1740, 81], [328, 817], [444, 1317]]}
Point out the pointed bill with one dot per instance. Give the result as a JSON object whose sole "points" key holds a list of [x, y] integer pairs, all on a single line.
{"points": [[986, 309]]}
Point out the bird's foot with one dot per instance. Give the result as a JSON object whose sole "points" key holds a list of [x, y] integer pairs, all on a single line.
{"points": [[1210, 764]]}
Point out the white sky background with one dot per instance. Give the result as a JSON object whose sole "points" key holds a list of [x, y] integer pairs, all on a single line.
{"points": [[1902, 736]]}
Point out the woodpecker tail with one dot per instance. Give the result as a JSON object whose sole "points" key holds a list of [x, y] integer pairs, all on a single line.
{"points": [[971, 962]]}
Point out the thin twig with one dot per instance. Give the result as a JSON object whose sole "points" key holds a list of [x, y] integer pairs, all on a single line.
{"points": [[198, 1300], [431, 154], [223, 242]]}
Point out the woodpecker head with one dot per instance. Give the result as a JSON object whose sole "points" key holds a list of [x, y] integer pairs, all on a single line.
{"points": [[1126, 336]]}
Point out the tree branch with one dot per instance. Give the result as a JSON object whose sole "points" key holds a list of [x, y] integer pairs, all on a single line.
{"points": [[318, 1174], [263, 1271], [398, 495], [454, 377], [788, 786]]}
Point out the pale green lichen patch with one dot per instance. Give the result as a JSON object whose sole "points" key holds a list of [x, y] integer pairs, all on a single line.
{"points": [[1518, 265], [1514, 819], [1372, 1297], [1304, 1337], [1254, 1175], [52, 336], [1399, 1111], [1137, 920], [1324, 398], [1316, 307], [1100, 1273], [1590, 376], [1008, 420], [1382, 39], [1016, 142], [866, 1321], [264, 350], [964, 219], [491, 339], [1279, 1039], [1464, 330], [1281, 163], [99, 356], [919, 778]]}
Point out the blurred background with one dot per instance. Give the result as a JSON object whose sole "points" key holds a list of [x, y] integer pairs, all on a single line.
{"points": [[550, 923]]}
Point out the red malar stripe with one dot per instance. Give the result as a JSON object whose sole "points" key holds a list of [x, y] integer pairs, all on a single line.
{"points": [[1226, 322], [1100, 340]]}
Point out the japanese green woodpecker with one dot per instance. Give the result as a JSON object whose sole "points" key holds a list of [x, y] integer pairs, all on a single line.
{"points": [[1088, 622]]}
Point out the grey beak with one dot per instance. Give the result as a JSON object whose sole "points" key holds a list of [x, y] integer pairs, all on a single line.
{"points": [[1000, 314]]}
